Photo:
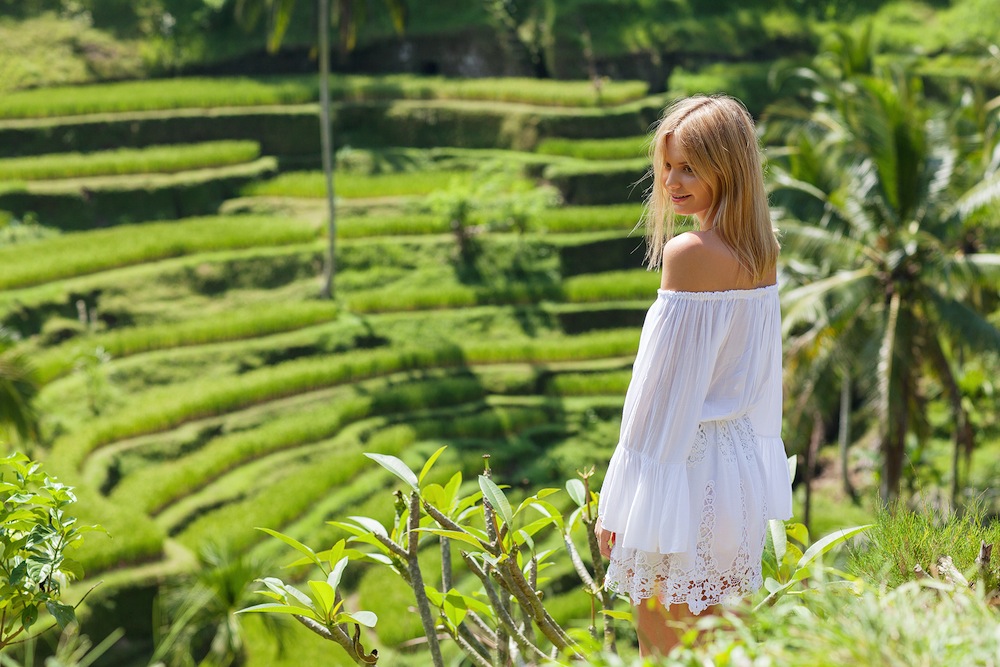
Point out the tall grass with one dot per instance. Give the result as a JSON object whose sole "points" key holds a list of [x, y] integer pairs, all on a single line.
{"points": [[902, 539], [89, 252], [184, 93], [356, 186], [126, 161]]}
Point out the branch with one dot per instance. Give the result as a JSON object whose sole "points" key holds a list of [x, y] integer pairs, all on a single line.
{"points": [[578, 565], [417, 580], [502, 615], [337, 634], [519, 587], [607, 600], [447, 523], [475, 656]]}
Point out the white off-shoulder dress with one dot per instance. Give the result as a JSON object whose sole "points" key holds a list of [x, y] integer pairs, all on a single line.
{"points": [[700, 466]]}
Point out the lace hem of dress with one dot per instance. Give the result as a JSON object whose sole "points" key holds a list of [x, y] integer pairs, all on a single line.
{"points": [[649, 575], [642, 575]]}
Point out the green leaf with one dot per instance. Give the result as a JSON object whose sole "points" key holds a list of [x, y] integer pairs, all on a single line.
{"points": [[430, 463], [495, 497], [29, 616], [577, 492], [619, 615], [295, 544], [825, 544], [451, 490], [778, 538], [792, 461], [62, 613], [453, 535], [333, 581], [371, 525], [521, 537], [72, 568], [455, 608], [275, 608], [323, 595], [798, 532], [434, 494], [397, 468], [365, 618]]}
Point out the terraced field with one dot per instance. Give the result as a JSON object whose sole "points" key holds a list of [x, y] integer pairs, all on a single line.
{"points": [[195, 387]]}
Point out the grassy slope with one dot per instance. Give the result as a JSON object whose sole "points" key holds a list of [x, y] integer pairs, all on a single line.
{"points": [[176, 303]]}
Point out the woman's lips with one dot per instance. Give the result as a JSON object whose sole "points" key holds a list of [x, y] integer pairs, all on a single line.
{"points": [[679, 198]]}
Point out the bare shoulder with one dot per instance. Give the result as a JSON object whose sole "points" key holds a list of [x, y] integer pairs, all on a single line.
{"points": [[700, 262]]}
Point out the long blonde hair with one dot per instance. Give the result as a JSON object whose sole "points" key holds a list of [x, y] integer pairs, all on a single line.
{"points": [[717, 136]]}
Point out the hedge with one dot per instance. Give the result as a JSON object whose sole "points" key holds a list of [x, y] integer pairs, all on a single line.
{"points": [[587, 183], [101, 202], [89, 252], [128, 161], [205, 93], [294, 131]]}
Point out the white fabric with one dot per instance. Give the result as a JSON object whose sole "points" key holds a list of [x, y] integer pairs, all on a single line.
{"points": [[700, 465]]}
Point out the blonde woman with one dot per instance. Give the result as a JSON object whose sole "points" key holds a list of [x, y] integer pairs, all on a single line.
{"points": [[700, 465]]}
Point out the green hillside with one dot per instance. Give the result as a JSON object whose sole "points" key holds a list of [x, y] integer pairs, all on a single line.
{"points": [[161, 243]]}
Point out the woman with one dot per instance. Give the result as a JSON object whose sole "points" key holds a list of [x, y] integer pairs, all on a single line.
{"points": [[700, 466]]}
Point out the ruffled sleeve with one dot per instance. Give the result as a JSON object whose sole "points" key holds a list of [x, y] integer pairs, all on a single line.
{"points": [[645, 498]]}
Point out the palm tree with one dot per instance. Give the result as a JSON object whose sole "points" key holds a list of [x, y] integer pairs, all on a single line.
{"points": [[17, 390], [202, 625], [350, 14], [888, 287]]}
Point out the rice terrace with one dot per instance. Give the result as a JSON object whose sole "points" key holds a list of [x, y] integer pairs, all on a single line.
{"points": [[378, 416]]}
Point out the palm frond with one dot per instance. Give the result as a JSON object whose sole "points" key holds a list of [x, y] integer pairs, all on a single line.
{"points": [[979, 269], [805, 304], [982, 194], [963, 324]]}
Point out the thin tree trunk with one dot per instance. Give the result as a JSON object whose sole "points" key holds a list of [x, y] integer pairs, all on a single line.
{"points": [[326, 140], [892, 428], [844, 439], [812, 453]]}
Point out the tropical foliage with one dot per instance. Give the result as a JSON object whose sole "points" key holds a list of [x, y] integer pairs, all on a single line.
{"points": [[36, 536], [892, 278]]}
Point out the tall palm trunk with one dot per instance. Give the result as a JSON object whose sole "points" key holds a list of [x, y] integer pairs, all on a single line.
{"points": [[326, 141], [844, 435]]}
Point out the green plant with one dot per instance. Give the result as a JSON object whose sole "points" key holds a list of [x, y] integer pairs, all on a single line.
{"points": [[502, 621], [36, 533]]}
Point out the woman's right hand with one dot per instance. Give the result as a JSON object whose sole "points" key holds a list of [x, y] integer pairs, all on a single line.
{"points": [[605, 538]]}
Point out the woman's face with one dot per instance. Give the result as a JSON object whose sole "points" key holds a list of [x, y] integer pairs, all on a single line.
{"points": [[690, 194]]}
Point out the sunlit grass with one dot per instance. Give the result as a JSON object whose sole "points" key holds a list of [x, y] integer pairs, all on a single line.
{"points": [[126, 161]]}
